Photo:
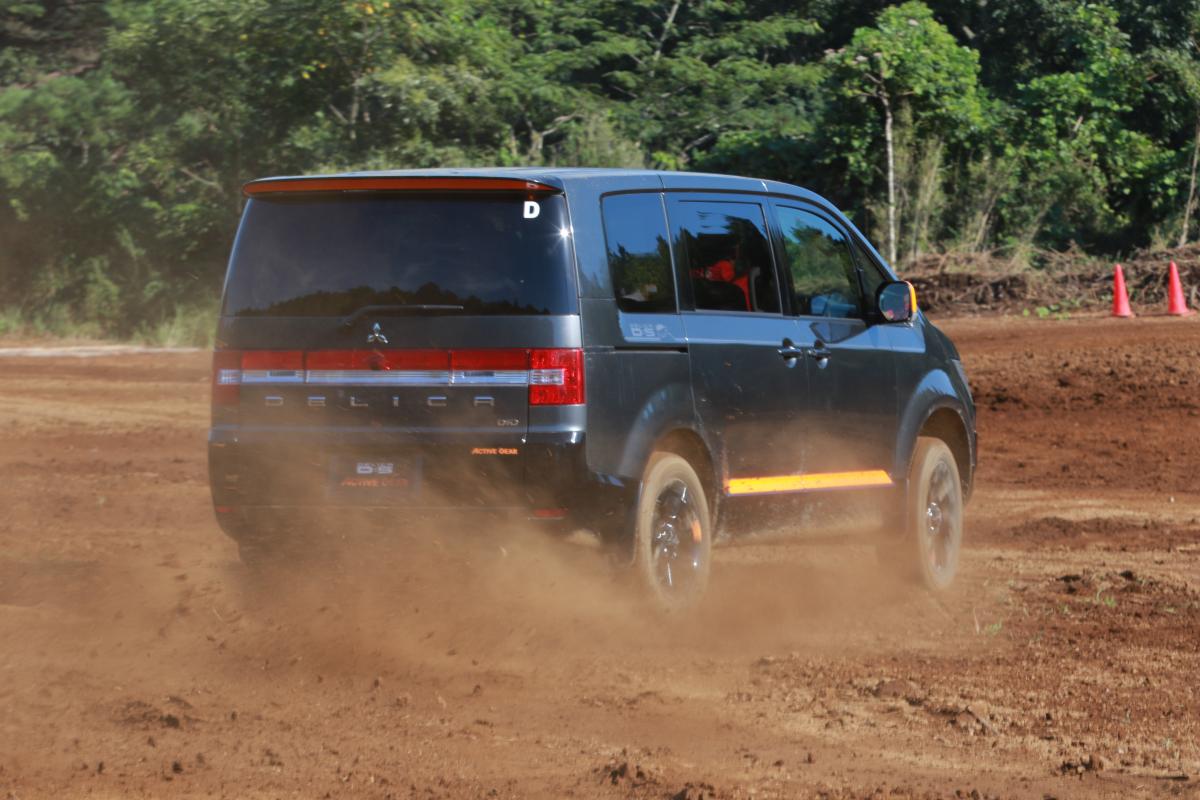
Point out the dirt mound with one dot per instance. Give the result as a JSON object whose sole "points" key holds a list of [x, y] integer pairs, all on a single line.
{"points": [[1057, 527], [1062, 283]]}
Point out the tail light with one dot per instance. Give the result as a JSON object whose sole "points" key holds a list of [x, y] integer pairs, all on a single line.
{"points": [[375, 360], [232, 368], [556, 377], [272, 364], [226, 377], [488, 361]]}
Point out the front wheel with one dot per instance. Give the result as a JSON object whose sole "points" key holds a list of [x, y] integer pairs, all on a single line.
{"points": [[673, 537], [935, 509]]}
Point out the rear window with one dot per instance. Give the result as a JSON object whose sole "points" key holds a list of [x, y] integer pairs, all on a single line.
{"points": [[324, 255]]}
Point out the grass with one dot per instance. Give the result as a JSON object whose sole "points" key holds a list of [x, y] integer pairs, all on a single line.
{"points": [[56, 324], [187, 326], [1059, 311]]}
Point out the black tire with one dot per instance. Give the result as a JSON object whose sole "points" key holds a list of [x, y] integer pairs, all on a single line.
{"points": [[935, 515], [673, 534], [271, 547]]}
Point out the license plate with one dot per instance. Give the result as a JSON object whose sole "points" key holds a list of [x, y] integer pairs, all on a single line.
{"points": [[372, 476]]}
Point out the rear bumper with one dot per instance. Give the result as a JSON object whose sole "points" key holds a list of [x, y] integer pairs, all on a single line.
{"points": [[262, 480]]}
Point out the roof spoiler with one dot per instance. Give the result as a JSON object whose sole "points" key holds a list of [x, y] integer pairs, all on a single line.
{"points": [[396, 184]]}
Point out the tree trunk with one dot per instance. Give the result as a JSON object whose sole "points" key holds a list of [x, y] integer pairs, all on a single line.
{"points": [[928, 180], [891, 176], [662, 39], [1190, 206]]}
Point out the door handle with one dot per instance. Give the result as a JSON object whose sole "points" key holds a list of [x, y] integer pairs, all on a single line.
{"points": [[789, 351], [820, 353]]}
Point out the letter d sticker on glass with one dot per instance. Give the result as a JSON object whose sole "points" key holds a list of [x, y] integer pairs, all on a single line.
{"points": [[532, 209]]}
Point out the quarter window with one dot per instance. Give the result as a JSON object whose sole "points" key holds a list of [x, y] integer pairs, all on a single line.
{"points": [[639, 258], [872, 276], [728, 256], [824, 279]]}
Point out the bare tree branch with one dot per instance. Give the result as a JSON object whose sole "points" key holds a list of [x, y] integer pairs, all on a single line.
{"points": [[662, 38], [200, 179]]}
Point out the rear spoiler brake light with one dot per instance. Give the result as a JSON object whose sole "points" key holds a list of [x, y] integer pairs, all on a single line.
{"points": [[288, 185]]}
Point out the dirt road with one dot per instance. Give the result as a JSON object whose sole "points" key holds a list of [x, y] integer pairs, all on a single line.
{"points": [[136, 659]]}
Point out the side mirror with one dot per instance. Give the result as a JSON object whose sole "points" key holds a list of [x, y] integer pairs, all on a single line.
{"points": [[896, 301]]}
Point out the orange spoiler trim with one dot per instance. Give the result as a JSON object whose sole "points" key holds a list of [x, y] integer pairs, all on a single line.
{"points": [[394, 185]]}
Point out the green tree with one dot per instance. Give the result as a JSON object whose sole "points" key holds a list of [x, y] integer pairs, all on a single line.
{"points": [[908, 63], [127, 128], [1179, 87], [1083, 159]]}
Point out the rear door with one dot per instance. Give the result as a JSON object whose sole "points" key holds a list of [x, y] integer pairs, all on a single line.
{"points": [[849, 417], [747, 377], [385, 347]]}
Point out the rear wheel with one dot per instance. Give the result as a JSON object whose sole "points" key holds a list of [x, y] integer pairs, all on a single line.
{"points": [[935, 511], [673, 537], [267, 544]]}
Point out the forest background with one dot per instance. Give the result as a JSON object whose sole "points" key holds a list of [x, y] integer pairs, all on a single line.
{"points": [[1009, 131]]}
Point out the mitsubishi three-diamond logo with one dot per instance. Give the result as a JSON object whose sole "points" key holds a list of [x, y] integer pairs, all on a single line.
{"points": [[376, 335]]}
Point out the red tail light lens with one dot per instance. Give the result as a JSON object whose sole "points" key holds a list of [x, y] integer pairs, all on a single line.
{"points": [[377, 359], [556, 377], [488, 360], [226, 377], [232, 368], [272, 361]]}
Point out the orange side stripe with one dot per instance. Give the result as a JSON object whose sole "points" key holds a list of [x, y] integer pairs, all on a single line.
{"points": [[809, 482]]}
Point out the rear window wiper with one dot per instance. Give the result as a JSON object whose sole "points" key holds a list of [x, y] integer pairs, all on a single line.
{"points": [[404, 308]]}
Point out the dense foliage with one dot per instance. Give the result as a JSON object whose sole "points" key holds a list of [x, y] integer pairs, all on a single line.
{"points": [[128, 126]]}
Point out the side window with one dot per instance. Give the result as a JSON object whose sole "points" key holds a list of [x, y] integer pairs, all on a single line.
{"points": [[824, 278], [635, 229], [728, 256]]}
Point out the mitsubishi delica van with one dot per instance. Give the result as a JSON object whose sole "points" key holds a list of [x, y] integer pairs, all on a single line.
{"points": [[660, 358]]}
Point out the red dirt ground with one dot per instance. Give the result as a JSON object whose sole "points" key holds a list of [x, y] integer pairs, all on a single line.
{"points": [[138, 659]]}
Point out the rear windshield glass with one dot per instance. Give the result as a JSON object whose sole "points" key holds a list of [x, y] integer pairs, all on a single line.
{"points": [[331, 255]]}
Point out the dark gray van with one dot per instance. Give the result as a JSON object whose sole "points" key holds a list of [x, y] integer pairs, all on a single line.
{"points": [[656, 357]]}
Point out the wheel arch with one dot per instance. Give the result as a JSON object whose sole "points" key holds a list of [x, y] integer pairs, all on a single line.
{"points": [[680, 440], [947, 424], [936, 410]]}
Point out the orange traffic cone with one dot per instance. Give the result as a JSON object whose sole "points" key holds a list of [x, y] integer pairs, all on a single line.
{"points": [[1176, 305], [1120, 296]]}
